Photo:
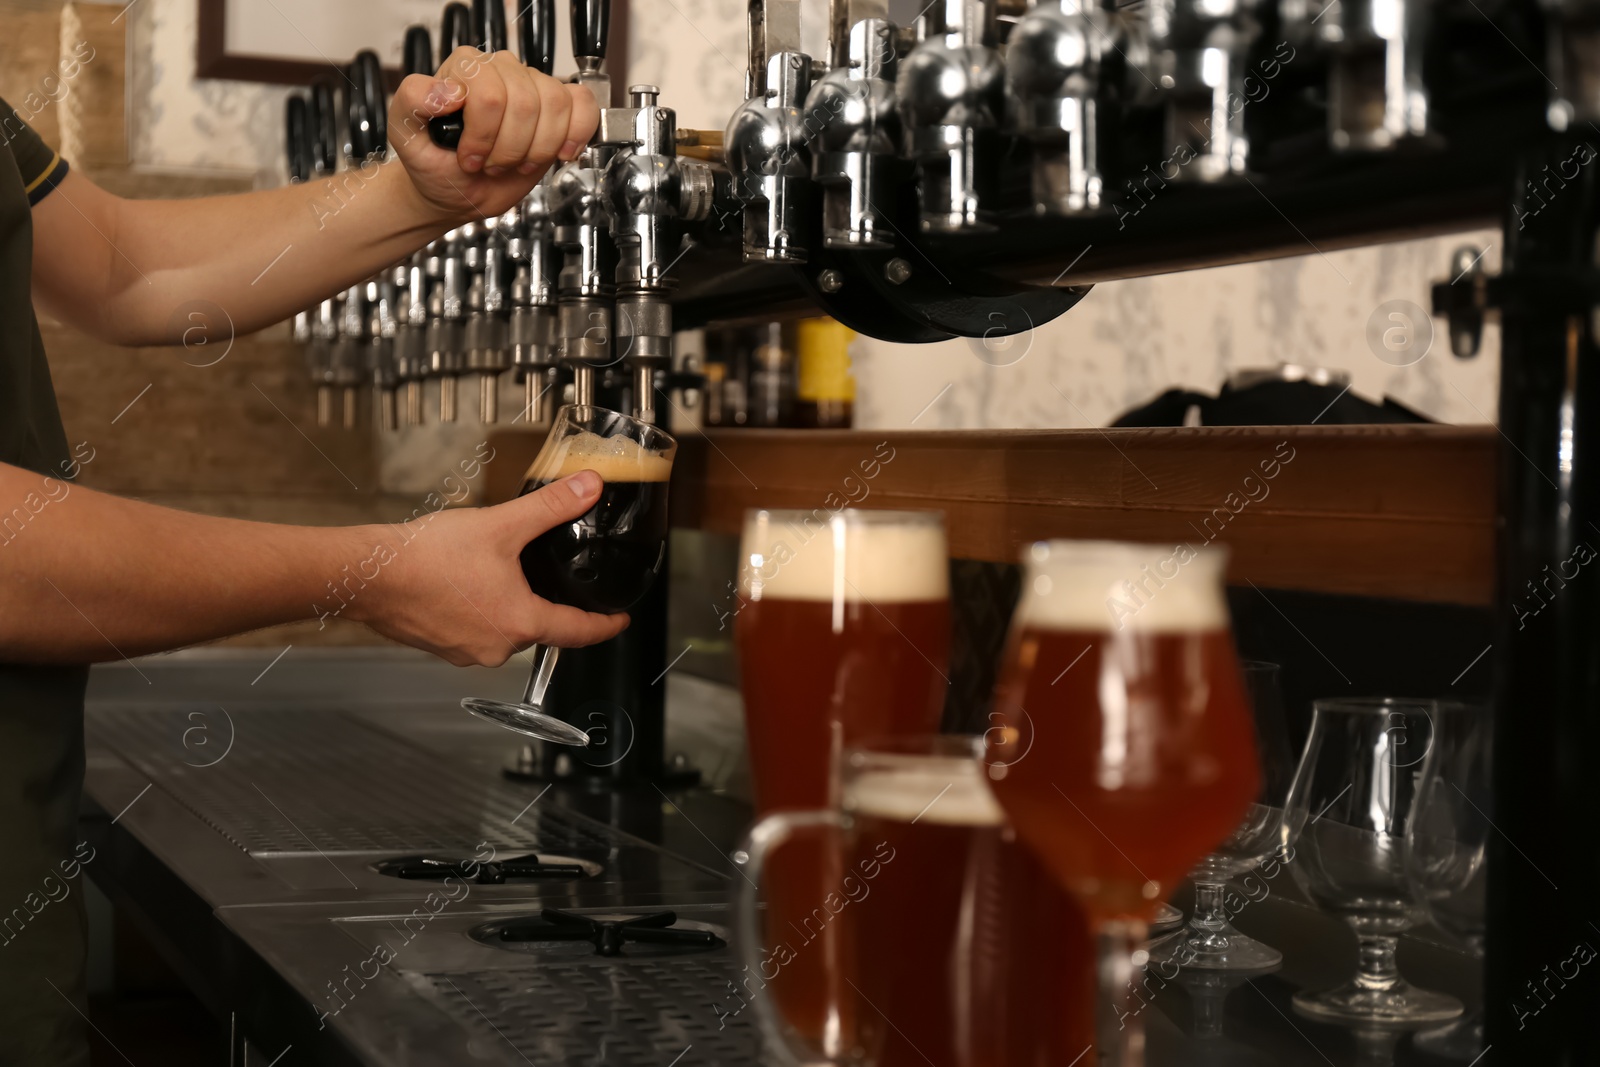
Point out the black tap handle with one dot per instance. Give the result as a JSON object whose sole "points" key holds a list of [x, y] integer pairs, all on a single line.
{"points": [[297, 137], [591, 22], [371, 112], [457, 30], [536, 30], [419, 51], [324, 128], [489, 24]]}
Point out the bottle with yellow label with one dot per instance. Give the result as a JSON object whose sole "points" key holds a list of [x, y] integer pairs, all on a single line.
{"points": [[826, 390]]}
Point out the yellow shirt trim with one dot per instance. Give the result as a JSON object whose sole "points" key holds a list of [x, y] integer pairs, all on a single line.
{"points": [[51, 169]]}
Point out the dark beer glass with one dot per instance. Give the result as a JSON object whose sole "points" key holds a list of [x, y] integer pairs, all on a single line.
{"points": [[844, 634], [605, 560], [955, 945]]}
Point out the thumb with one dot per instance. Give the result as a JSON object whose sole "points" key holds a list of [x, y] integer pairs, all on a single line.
{"points": [[419, 98], [529, 516]]}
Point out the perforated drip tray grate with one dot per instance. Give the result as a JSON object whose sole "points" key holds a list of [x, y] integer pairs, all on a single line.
{"points": [[306, 781], [629, 1013]]}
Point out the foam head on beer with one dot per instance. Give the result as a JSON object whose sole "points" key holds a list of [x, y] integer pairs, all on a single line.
{"points": [[846, 556], [1120, 586], [615, 459], [939, 791]]}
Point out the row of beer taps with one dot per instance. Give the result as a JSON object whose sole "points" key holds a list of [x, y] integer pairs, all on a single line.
{"points": [[1051, 72], [570, 285]]}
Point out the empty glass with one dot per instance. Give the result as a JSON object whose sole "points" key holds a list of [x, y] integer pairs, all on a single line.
{"points": [[1210, 942], [1445, 846], [1354, 797]]}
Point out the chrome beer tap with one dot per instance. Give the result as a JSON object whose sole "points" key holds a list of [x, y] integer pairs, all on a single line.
{"points": [[297, 138], [584, 288], [370, 122], [324, 324], [765, 143], [446, 262], [410, 278], [1198, 54], [648, 190], [347, 366], [530, 244], [952, 94], [1376, 96], [486, 259], [852, 118], [1053, 79], [1572, 30]]}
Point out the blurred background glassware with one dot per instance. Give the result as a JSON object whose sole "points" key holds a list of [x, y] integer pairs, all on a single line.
{"points": [[1120, 665], [1354, 797], [1446, 845], [843, 633], [959, 948], [1210, 941]]}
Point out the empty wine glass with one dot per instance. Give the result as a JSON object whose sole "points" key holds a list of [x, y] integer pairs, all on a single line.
{"points": [[1354, 796], [1210, 942], [1445, 847]]}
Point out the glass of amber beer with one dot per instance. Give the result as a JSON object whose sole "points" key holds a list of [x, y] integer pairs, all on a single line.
{"points": [[1121, 663], [843, 630], [955, 946]]}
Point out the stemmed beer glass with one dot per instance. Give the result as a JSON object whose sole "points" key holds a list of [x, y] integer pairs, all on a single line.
{"points": [[606, 559], [1446, 866], [1210, 943], [1353, 800], [1121, 662]]}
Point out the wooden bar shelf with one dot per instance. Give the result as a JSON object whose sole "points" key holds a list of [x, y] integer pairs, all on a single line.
{"points": [[1398, 511]]}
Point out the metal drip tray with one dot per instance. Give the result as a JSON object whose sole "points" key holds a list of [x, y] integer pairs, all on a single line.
{"points": [[318, 781], [332, 806], [633, 1013]]}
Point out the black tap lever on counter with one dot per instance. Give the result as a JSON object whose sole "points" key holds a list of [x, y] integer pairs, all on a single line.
{"points": [[457, 30]]}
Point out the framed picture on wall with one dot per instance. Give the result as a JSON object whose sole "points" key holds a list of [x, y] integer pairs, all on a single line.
{"points": [[294, 42]]}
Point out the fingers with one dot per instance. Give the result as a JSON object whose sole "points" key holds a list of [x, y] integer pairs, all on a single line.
{"points": [[485, 107], [524, 106], [419, 98], [515, 118], [528, 516], [582, 121], [554, 122], [568, 627]]}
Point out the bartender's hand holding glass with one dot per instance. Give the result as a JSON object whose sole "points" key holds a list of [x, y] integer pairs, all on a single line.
{"points": [[456, 588], [517, 123]]}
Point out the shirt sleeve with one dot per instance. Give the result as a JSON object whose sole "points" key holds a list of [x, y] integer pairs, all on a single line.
{"points": [[42, 166]]}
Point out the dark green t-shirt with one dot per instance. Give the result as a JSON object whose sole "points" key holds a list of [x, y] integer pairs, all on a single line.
{"points": [[42, 929]]}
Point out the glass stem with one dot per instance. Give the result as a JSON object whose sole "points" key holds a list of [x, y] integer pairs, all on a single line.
{"points": [[539, 680], [1377, 968], [1120, 1026], [1210, 913]]}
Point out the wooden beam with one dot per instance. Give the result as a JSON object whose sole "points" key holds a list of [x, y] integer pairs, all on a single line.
{"points": [[1388, 511]]}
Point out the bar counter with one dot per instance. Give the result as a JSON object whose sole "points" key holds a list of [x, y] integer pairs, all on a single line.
{"points": [[245, 827]]}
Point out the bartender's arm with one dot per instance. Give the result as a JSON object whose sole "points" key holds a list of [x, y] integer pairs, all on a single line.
{"points": [[119, 269], [93, 577]]}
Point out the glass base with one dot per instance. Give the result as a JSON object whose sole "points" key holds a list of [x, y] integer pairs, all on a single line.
{"points": [[1166, 916], [1461, 1040], [526, 719], [1401, 1004], [1223, 949]]}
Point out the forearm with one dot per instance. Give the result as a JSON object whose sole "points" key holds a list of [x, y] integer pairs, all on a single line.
{"points": [[85, 576], [259, 256]]}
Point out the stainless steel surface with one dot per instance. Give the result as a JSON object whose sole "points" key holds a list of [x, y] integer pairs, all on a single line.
{"points": [[249, 851]]}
